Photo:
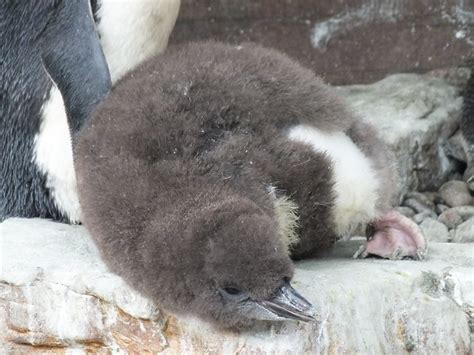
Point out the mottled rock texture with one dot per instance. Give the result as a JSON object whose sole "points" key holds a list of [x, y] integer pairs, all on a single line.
{"points": [[456, 193], [434, 231], [346, 42], [415, 114], [464, 233], [56, 296]]}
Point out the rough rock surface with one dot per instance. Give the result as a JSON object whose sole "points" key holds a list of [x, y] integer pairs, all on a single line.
{"points": [[434, 231], [450, 218], [464, 233], [415, 115], [56, 296], [456, 193]]}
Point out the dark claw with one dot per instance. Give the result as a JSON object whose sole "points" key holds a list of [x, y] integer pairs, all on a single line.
{"points": [[370, 231]]}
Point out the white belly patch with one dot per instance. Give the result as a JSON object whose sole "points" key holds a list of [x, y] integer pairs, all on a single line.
{"points": [[53, 156], [356, 183]]}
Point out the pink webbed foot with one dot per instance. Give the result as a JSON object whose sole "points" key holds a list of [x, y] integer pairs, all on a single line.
{"points": [[395, 237]]}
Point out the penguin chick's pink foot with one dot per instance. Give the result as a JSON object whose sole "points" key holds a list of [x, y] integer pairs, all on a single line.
{"points": [[395, 237]]}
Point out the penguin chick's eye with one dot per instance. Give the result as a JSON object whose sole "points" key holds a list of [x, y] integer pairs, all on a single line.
{"points": [[232, 290], [232, 293]]}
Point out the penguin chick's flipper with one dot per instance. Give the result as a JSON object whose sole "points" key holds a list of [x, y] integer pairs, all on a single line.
{"points": [[299, 179], [309, 186], [394, 236]]}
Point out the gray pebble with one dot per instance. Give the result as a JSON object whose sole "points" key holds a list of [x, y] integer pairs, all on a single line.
{"points": [[456, 193], [470, 181], [406, 211], [450, 218], [434, 196], [420, 217], [453, 147], [434, 231], [464, 233], [421, 198], [440, 208], [417, 206], [465, 212]]}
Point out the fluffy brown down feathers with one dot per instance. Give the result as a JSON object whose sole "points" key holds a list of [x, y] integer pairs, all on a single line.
{"points": [[174, 168]]}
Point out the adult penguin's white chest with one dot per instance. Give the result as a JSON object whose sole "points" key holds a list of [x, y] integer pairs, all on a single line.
{"points": [[53, 155]]}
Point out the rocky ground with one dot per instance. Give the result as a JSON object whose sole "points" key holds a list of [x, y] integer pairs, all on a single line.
{"points": [[419, 116], [56, 296], [446, 215]]}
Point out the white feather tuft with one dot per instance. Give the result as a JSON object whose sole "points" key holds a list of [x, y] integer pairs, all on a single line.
{"points": [[286, 212], [356, 182]]}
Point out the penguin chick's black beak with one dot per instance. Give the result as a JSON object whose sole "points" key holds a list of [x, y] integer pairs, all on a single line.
{"points": [[285, 304]]}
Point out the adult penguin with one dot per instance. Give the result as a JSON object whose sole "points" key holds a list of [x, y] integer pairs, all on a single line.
{"points": [[211, 165], [53, 75], [52, 66]]}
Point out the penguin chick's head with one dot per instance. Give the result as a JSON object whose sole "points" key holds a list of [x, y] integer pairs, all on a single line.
{"points": [[230, 267]]}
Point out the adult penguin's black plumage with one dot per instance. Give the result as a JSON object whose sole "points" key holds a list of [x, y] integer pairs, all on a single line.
{"points": [[209, 166], [52, 65], [53, 73]]}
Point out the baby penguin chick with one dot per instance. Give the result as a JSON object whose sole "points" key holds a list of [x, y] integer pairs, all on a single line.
{"points": [[209, 166]]}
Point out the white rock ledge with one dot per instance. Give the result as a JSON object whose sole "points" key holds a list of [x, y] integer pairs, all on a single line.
{"points": [[56, 296], [414, 114]]}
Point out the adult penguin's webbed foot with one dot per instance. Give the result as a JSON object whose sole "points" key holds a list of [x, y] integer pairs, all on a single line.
{"points": [[395, 237]]}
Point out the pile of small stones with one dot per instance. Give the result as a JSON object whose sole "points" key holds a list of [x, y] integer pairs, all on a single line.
{"points": [[444, 216], [447, 215]]}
